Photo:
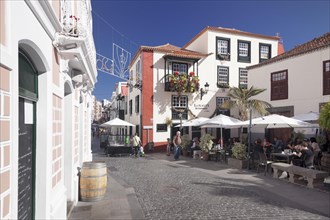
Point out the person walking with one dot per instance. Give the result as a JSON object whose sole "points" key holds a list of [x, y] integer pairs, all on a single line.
{"points": [[177, 145], [136, 144]]}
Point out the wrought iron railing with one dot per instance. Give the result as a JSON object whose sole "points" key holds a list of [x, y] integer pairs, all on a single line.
{"points": [[78, 23]]}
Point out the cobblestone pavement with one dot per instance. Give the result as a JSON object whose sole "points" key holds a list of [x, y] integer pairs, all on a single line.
{"points": [[169, 190]]}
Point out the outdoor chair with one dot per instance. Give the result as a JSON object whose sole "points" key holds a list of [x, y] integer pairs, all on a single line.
{"points": [[263, 162]]}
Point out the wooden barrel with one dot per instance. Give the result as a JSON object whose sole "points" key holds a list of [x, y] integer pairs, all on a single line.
{"points": [[93, 181], [325, 162]]}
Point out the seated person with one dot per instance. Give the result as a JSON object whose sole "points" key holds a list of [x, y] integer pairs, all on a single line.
{"points": [[315, 147], [277, 146], [219, 145], [305, 157], [195, 145]]}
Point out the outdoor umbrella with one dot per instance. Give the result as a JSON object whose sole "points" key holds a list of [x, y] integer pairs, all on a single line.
{"points": [[193, 122], [309, 116], [277, 121], [221, 121], [116, 122]]}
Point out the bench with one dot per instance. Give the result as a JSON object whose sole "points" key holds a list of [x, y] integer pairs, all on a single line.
{"points": [[314, 177], [280, 167]]}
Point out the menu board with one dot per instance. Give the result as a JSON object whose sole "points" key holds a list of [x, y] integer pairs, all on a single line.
{"points": [[25, 164]]}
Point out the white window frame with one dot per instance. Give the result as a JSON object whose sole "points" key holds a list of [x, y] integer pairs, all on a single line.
{"points": [[223, 47], [279, 76], [264, 52], [223, 78], [179, 101], [181, 68], [243, 77], [243, 49], [220, 100]]}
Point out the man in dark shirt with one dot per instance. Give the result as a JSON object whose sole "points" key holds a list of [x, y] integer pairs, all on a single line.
{"points": [[305, 157], [278, 145]]}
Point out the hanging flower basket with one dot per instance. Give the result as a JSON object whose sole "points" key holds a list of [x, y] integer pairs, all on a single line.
{"points": [[182, 82]]}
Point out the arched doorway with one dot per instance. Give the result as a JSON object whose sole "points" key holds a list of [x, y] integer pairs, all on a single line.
{"points": [[28, 96]]}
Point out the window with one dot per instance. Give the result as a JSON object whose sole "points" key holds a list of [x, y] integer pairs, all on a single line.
{"points": [[130, 107], [264, 52], [279, 85], [131, 81], [125, 108], [244, 51], [179, 101], [243, 78], [137, 130], [223, 76], [326, 77], [138, 71], [182, 68], [179, 106], [222, 48], [161, 128], [137, 104], [28, 77], [220, 100]]}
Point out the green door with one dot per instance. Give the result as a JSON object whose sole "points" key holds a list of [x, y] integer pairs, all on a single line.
{"points": [[27, 135]]}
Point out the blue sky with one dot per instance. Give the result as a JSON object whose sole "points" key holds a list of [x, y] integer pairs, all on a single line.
{"points": [[131, 24]]}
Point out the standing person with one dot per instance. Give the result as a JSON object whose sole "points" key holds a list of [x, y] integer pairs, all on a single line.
{"points": [[267, 147], [136, 144], [177, 145]]}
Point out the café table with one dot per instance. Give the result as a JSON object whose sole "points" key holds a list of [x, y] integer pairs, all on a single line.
{"points": [[283, 157]]}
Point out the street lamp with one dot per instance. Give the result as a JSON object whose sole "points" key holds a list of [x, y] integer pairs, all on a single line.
{"points": [[205, 90], [249, 138]]}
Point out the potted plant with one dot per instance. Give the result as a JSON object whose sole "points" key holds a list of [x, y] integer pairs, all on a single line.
{"points": [[238, 158], [206, 145], [185, 141], [168, 121]]}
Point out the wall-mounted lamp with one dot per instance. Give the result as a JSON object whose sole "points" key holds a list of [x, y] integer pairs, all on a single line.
{"points": [[205, 90]]}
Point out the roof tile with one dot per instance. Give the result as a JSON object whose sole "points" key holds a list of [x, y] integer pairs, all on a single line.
{"points": [[310, 46]]}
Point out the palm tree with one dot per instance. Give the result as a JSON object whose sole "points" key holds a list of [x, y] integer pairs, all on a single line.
{"points": [[324, 119], [243, 100]]}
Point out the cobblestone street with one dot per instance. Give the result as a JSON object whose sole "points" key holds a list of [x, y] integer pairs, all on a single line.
{"points": [[184, 189]]}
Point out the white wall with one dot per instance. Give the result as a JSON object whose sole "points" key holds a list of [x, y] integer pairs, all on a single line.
{"points": [[23, 25], [305, 81], [208, 66]]}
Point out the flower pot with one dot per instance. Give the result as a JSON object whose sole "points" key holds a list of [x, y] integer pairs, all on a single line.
{"points": [[205, 156], [238, 164], [325, 162], [185, 152]]}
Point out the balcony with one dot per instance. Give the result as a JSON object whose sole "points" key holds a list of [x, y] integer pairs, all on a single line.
{"points": [[182, 82], [75, 41]]}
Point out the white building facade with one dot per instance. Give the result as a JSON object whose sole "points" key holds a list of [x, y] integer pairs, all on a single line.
{"points": [[47, 72], [218, 56], [297, 81]]}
